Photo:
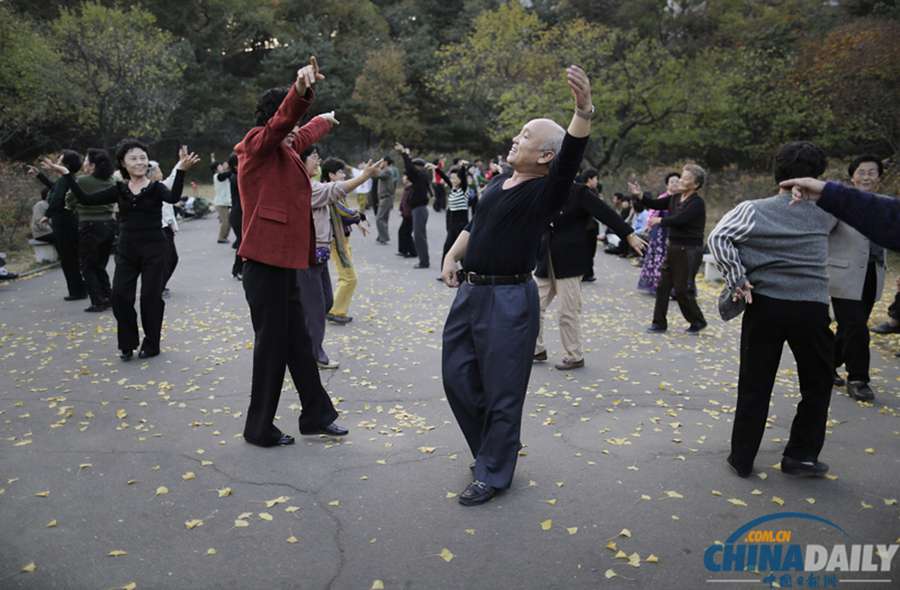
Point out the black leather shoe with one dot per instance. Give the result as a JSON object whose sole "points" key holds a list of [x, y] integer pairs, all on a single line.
{"points": [[477, 493], [420, 266], [331, 430], [540, 356], [740, 472], [146, 354], [472, 466], [890, 327], [96, 308], [695, 328], [589, 279], [803, 468], [285, 440], [74, 297], [838, 380], [656, 329], [126, 355], [860, 390]]}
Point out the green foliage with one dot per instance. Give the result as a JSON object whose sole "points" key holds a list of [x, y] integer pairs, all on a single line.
{"points": [[387, 114]]}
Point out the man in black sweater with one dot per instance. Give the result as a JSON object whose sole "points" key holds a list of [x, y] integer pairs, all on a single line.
{"points": [[564, 257], [490, 333], [686, 222], [418, 202]]}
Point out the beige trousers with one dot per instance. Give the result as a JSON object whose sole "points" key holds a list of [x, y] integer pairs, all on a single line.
{"points": [[224, 225], [569, 293]]}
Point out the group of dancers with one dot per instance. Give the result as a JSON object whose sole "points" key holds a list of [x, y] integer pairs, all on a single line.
{"points": [[491, 332]]}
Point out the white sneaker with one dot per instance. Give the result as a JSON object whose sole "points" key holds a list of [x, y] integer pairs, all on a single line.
{"points": [[328, 365]]}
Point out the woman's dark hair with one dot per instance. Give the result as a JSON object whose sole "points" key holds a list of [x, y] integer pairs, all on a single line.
{"points": [[851, 170], [233, 161], [313, 149], [799, 159], [125, 146], [45, 192], [331, 166], [268, 104], [71, 160], [214, 166], [103, 166], [670, 175]]}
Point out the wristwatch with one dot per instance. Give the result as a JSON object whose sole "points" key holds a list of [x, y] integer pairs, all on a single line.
{"points": [[585, 114]]}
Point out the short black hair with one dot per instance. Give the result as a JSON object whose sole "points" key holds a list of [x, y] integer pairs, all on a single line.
{"points": [[123, 148], [233, 161], [798, 159], [388, 160], [268, 104], [103, 166], [214, 166], [331, 166], [670, 175], [589, 174], [72, 160], [45, 192], [308, 152], [851, 169]]}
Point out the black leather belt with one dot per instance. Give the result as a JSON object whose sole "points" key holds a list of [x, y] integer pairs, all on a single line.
{"points": [[477, 279]]}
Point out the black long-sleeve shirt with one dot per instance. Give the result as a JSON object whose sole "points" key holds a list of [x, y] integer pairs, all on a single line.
{"points": [[875, 216], [419, 178], [686, 219], [137, 212], [506, 231]]}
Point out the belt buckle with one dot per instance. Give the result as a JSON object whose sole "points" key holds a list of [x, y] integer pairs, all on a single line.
{"points": [[469, 276]]}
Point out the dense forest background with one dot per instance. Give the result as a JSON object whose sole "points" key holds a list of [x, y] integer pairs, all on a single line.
{"points": [[721, 82]]}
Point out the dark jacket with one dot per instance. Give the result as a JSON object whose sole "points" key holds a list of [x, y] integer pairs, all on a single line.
{"points": [[686, 220], [421, 182], [565, 240], [874, 216]]}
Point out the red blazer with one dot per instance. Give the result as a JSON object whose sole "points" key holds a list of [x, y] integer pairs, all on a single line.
{"points": [[275, 188]]}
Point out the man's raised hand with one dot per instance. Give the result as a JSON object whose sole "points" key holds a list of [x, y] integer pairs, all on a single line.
{"points": [[329, 116], [580, 85], [48, 164], [371, 169], [308, 75]]}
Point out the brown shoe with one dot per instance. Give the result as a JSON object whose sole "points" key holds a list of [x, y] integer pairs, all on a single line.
{"points": [[540, 356], [568, 363]]}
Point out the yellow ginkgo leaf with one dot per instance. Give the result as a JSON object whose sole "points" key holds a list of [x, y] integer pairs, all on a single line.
{"points": [[377, 585], [777, 500], [278, 500], [129, 586], [29, 568], [85, 466], [211, 551], [117, 553], [427, 450], [43, 494], [224, 492], [737, 502], [121, 414], [652, 559], [870, 451], [612, 546], [547, 524], [51, 524], [447, 555], [673, 494], [572, 530], [265, 516], [292, 539], [470, 531], [610, 574], [634, 560], [188, 475], [334, 503], [162, 491], [551, 501], [291, 508], [240, 523], [625, 533], [810, 500], [645, 497], [193, 523], [716, 493], [890, 501]]}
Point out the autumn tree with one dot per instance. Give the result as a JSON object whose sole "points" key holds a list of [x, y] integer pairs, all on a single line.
{"points": [[382, 94]]}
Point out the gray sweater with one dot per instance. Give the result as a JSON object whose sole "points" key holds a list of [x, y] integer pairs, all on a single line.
{"points": [[781, 249]]}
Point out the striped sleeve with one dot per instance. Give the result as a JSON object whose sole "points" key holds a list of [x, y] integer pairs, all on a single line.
{"points": [[724, 241]]}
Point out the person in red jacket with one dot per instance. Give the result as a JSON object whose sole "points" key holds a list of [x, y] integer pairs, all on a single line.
{"points": [[277, 239]]}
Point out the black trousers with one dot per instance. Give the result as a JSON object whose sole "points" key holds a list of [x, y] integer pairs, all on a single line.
{"points": [[65, 231], [96, 240], [488, 344], [851, 345], [591, 235], [235, 218], [894, 308], [681, 263], [139, 254], [456, 222], [440, 197], [281, 341], [405, 243], [171, 255], [767, 324]]}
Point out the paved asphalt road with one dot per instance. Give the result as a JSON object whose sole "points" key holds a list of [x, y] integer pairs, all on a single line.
{"points": [[99, 457]]}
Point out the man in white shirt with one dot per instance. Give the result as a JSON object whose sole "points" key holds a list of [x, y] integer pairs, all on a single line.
{"points": [[222, 198]]}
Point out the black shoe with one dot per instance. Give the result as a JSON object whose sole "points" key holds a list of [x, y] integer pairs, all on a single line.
{"points": [[331, 430], [887, 328], [695, 328], [803, 468], [221, 241], [420, 266], [97, 308], [656, 329], [146, 354], [400, 254], [477, 493], [283, 441], [165, 293], [540, 356], [234, 245], [737, 471], [860, 390], [410, 255], [589, 279], [338, 319], [74, 297], [126, 355], [472, 466], [238, 276], [838, 380]]}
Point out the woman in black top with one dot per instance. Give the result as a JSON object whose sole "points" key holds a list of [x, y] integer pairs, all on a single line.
{"points": [[142, 246], [457, 205], [686, 222], [236, 216]]}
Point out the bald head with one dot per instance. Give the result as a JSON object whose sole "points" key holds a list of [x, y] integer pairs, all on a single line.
{"points": [[536, 145]]}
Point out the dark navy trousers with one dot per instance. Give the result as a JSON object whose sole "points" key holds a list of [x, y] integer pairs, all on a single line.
{"points": [[488, 345]]}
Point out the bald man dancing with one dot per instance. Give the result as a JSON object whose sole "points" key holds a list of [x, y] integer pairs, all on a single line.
{"points": [[492, 326]]}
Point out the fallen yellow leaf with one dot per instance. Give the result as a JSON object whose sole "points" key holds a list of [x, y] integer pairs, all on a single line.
{"points": [[193, 523], [240, 523], [737, 502], [43, 494], [610, 574], [870, 451], [51, 524], [777, 500], [224, 492], [572, 530], [625, 533], [189, 475], [29, 568], [117, 553], [652, 559], [547, 524], [265, 516], [211, 551], [162, 491], [121, 414], [278, 500], [447, 555], [377, 585], [292, 539], [673, 494]]}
